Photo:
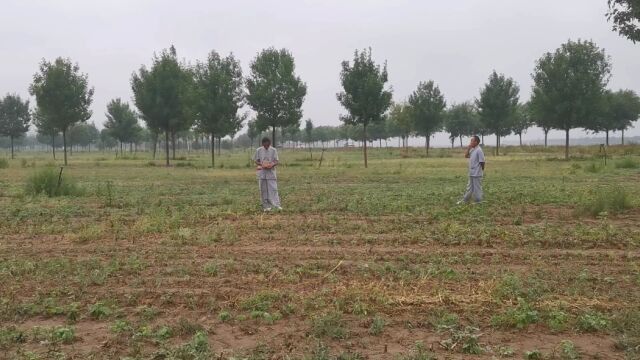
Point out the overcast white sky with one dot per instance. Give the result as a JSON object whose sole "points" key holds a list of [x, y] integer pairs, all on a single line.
{"points": [[455, 43]]}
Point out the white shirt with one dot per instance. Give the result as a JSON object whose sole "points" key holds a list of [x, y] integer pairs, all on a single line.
{"points": [[263, 155], [476, 156]]}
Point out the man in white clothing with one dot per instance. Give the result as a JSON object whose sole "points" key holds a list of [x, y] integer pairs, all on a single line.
{"points": [[476, 171], [266, 159]]}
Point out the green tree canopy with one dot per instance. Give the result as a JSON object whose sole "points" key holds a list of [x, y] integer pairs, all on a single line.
{"points": [[622, 109], [427, 110], [122, 122], [365, 96], [164, 95], [14, 118], [569, 87], [401, 122], [219, 96], [63, 95], [522, 120], [461, 120], [275, 92], [625, 15], [497, 106]]}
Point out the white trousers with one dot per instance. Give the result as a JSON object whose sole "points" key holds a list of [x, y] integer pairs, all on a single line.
{"points": [[269, 193], [474, 188]]}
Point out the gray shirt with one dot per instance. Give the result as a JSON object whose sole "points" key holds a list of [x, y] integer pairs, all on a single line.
{"points": [[476, 156], [263, 155]]}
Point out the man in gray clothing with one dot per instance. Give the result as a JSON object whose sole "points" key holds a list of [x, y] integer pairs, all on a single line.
{"points": [[266, 159], [476, 171]]}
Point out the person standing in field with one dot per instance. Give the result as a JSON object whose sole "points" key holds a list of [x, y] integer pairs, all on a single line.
{"points": [[266, 159], [476, 171]]}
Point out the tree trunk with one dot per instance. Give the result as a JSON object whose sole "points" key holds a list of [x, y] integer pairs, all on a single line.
{"points": [[12, 156], [497, 144], [155, 145], [365, 146], [213, 153], [520, 135], [426, 143], [273, 137], [453, 140], [460, 140], [173, 144], [607, 141], [546, 134], [482, 139], [64, 145], [622, 136], [53, 145], [166, 145], [219, 145], [130, 147], [121, 148], [566, 145]]}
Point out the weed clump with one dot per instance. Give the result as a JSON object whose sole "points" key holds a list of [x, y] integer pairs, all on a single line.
{"points": [[627, 163], [613, 201], [49, 182]]}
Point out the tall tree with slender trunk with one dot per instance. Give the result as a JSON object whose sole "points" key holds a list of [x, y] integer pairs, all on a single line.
{"points": [[164, 95], [275, 92], [400, 119], [497, 105], [624, 110], [63, 95], [14, 118], [122, 122], [427, 110], [522, 120], [461, 120], [569, 87], [365, 96], [219, 96]]}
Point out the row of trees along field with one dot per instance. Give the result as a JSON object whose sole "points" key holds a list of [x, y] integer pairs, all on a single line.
{"points": [[173, 97]]}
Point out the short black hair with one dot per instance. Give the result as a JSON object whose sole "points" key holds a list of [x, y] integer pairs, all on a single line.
{"points": [[477, 138], [266, 140]]}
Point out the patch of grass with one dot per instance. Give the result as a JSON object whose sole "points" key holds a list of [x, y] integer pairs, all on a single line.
{"points": [[262, 301], [464, 340], [47, 181], [225, 316], [419, 352], [613, 200], [329, 325], [568, 351], [377, 326], [100, 311], [592, 322], [557, 320], [627, 163], [519, 317], [4, 163], [533, 355]]}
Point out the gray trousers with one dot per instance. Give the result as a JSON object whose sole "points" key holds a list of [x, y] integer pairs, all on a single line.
{"points": [[269, 193], [474, 188]]}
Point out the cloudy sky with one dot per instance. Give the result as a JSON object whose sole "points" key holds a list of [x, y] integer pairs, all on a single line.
{"points": [[455, 43]]}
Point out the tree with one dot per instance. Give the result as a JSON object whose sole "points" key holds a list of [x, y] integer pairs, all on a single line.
{"points": [[106, 140], [497, 106], [63, 96], [400, 118], [164, 95], [219, 95], [274, 91], [624, 109], [14, 118], [122, 122], [45, 129], [461, 120], [427, 110], [364, 95], [625, 15], [308, 132], [522, 120], [82, 135], [252, 130], [569, 86]]}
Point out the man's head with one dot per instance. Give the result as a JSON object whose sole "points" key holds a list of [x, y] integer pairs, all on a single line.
{"points": [[266, 142], [475, 140]]}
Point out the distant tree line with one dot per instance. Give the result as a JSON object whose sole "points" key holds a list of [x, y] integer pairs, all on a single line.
{"points": [[194, 106]]}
